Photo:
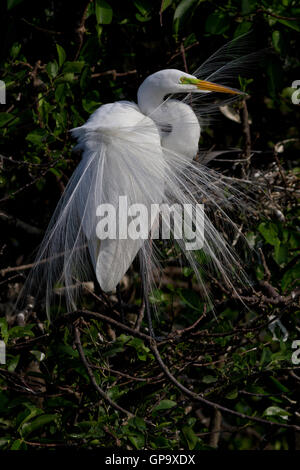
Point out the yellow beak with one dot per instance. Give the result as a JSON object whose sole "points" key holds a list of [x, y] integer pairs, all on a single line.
{"points": [[209, 86]]}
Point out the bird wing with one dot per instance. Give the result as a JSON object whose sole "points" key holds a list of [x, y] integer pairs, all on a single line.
{"points": [[122, 156]]}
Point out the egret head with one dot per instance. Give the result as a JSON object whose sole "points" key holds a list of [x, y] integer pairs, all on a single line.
{"points": [[155, 87]]}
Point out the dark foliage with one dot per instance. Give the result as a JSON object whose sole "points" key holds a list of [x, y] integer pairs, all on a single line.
{"points": [[86, 380]]}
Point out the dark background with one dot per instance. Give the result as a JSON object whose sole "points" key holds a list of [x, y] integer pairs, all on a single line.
{"points": [[60, 60]]}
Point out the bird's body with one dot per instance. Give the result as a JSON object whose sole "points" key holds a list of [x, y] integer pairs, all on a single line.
{"points": [[147, 143], [143, 152], [179, 128], [113, 127]]}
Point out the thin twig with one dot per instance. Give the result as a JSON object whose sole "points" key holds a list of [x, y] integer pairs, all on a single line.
{"points": [[197, 397], [20, 224], [26, 186], [114, 73], [247, 133], [154, 348], [161, 12], [182, 50], [140, 316], [120, 303], [22, 267], [178, 333], [81, 29], [267, 271], [87, 313], [44, 444], [179, 53], [39, 28], [92, 377], [266, 12], [215, 429], [127, 376], [281, 170]]}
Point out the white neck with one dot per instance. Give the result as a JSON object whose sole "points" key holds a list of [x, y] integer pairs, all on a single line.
{"points": [[150, 98], [154, 88]]}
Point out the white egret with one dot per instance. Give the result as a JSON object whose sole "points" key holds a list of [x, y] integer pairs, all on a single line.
{"points": [[146, 152]]}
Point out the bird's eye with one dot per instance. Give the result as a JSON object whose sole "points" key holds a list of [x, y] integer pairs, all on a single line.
{"points": [[183, 80], [188, 81]]}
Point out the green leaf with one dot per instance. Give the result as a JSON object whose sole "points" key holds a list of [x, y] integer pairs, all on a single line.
{"points": [[39, 355], [28, 414], [66, 349], [37, 137], [242, 28], [12, 364], [85, 78], [270, 233], [17, 444], [281, 253], [277, 412], [186, 271], [104, 12], [160, 442], [279, 385], [5, 118], [291, 24], [248, 6], [37, 423], [67, 77], [99, 30], [15, 49], [60, 93], [294, 239], [73, 67], [137, 423], [259, 271], [209, 379], [61, 54], [216, 23], [190, 298], [190, 437], [164, 405], [4, 329], [90, 105], [165, 4], [275, 76], [13, 3], [290, 277], [138, 440], [233, 394], [142, 18], [144, 7], [183, 10], [20, 331], [265, 356], [141, 350], [4, 401], [277, 41], [52, 69]]}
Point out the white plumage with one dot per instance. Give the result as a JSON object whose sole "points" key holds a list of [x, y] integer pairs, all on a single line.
{"points": [[124, 148], [145, 152]]}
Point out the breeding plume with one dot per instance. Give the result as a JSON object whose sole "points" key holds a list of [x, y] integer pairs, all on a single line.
{"points": [[146, 152]]}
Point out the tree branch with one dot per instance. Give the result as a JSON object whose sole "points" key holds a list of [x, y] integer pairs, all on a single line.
{"points": [[80, 350], [198, 398]]}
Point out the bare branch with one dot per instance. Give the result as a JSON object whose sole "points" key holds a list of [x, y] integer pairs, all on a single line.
{"points": [[92, 377]]}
